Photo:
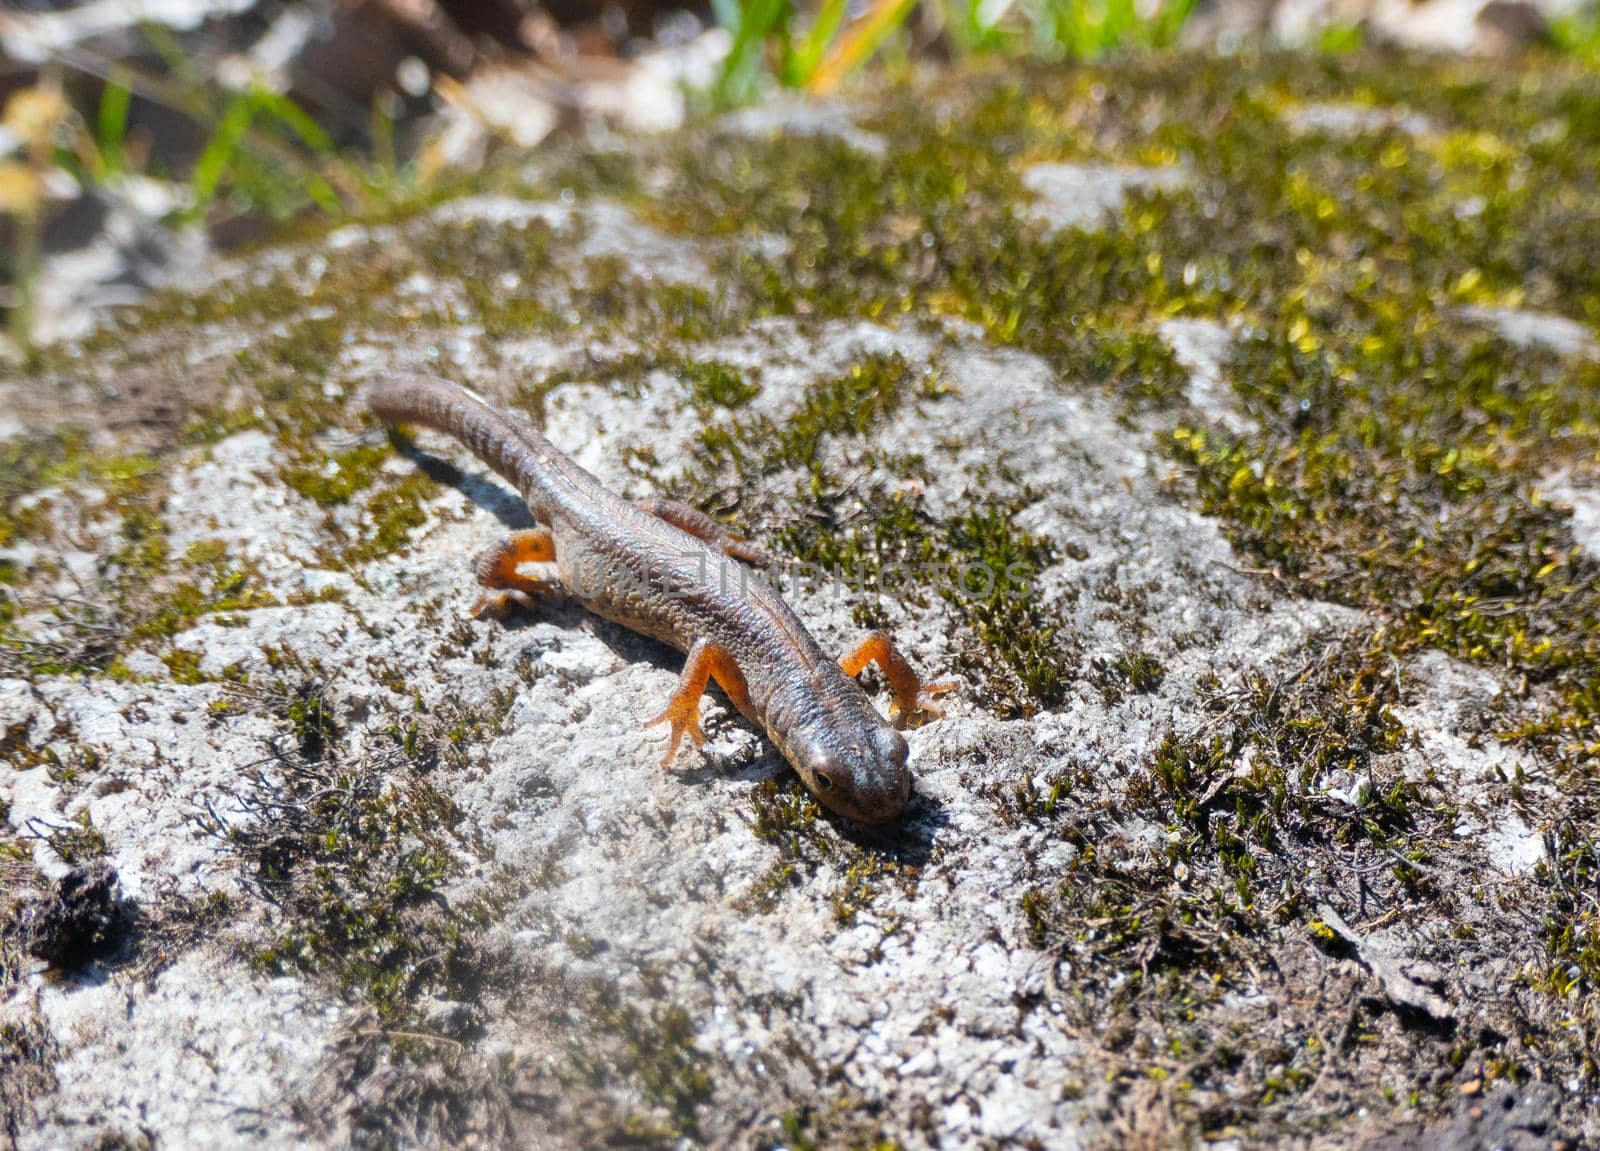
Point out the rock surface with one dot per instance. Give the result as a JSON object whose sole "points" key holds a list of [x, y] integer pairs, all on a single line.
{"points": [[406, 877]]}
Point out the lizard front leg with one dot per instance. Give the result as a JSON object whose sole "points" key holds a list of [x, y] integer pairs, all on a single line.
{"points": [[703, 527], [706, 661], [910, 693], [499, 578]]}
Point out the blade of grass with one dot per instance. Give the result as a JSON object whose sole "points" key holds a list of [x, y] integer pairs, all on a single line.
{"points": [[382, 132], [858, 43], [1170, 19], [1120, 26], [751, 22], [323, 195], [291, 116], [111, 123], [1577, 33], [803, 60], [166, 45], [220, 150], [975, 26]]}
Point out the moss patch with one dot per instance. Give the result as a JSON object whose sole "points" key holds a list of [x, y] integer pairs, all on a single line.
{"points": [[649, 1049], [357, 856], [1269, 810], [27, 1062], [784, 815]]}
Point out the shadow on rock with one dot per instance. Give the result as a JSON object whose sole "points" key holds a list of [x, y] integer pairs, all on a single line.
{"points": [[495, 498], [1505, 1118], [908, 840]]}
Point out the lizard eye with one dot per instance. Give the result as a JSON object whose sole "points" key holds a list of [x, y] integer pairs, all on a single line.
{"points": [[824, 780]]}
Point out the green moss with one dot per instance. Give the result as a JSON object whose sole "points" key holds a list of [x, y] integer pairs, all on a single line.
{"points": [[1035, 657], [624, 376], [929, 229], [216, 590], [785, 816], [610, 293], [713, 384], [338, 476], [140, 593], [212, 423], [143, 554], [290, 374], [78, 842], [1137, 365], [25, 463], [205, 553], [356, 858], [355, 282], [1571, 972], [20, 754], [1243, 802], [396, 512], [592, 173], [864, 880], [184, 665], [980, 563], [118, 474], [1379, 488], [649, 1048], [764, 895], [846, 1124], [847, 405], [504, 271], [1141, 670], [64, 458], [710, 384]]}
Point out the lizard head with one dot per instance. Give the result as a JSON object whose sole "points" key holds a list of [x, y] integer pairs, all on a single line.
{"points": [[851, 759]]}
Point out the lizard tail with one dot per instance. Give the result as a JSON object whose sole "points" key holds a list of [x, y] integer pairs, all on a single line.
{"points": [[521, 455]]}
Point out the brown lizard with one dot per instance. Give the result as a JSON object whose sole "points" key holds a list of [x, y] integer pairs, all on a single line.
{"points": [[660, 568]]}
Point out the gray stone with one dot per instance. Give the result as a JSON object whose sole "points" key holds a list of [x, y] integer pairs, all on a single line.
{"points": [[805, 118], [1084, 195], [1354, 120], [1538, 330]]}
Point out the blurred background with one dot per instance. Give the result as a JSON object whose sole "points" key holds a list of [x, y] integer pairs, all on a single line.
{"points": [[138, 138]]}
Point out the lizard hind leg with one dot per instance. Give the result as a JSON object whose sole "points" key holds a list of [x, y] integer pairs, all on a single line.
{"points": [[502, 584], [912, 697], [705, 661], [703, 527]]}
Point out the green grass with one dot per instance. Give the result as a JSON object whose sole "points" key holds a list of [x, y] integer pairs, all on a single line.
{"points": [[1577, 33], [815, 47]]}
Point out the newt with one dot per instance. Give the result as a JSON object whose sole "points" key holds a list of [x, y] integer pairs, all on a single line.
{"points": [[661, 568]]}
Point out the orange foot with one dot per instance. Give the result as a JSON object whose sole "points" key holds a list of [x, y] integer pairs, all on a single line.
{"points": [[912, 697], [705, 661], [497, 572]]}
